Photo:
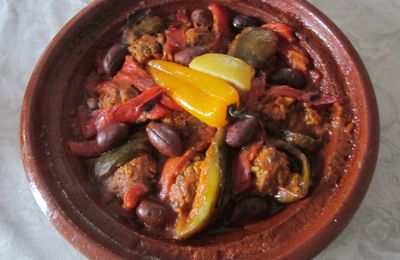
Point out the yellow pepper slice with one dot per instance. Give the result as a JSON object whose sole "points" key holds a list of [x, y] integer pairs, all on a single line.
{"points": [[202, 95]]}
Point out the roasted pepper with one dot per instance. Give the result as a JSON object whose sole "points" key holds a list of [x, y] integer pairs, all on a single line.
{"points": [[204, 96], [304, 142], [108, 162], [299, 184], [127, 112], [209, 191], [311, 98], [221, 28], [281, 29]]}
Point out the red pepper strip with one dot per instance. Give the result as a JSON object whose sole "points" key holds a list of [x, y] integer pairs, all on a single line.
{"points": [[196, 143], [294, 56], [171, 167], [175, 37], [134, 195], [128, 111], [175, 41], [169, 103], [134, 74], [157, 112], [302, 96], [86, 148], [242, 170], [221, 28], [256, 92], [86, 119], [324, 99], [281, 29]]}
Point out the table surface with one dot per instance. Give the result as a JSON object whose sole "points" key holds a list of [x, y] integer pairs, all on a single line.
{"points": [[26, 27]]}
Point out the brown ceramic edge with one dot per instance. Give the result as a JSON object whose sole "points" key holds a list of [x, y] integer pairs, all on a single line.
{"points": [[327, 232], [92, 249], [49, 206]]}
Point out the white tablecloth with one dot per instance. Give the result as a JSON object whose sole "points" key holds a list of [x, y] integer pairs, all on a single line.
{"points": [[26, 27]]}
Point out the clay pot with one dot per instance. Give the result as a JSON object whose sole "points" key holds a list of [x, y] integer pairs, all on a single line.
{"points": [[61, 186]]}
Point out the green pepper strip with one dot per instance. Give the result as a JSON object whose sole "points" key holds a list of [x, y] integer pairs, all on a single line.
{"points": [[210, 188], [108, 162], [298, 186]]}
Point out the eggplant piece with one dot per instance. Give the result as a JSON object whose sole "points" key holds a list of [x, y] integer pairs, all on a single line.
{"points": [[211, 191], [298, 184], [255, 46], [110, 161]]}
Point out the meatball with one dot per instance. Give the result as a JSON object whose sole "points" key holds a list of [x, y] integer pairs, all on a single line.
{"points": [[183, 191], [141, 169], [179, 120], [270, 169], [276, 109], [112, 94], [199, 36], [146, 48]]}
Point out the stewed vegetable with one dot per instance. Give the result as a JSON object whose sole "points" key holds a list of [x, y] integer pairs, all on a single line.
{"points": [[203, 119]]}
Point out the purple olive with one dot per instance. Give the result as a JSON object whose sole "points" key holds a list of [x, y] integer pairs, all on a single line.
{"points": [[185, 56], [114, 59], [288, 76], [242, 132], [112, 136], [164, 139], [153, 214], [250, 210]]}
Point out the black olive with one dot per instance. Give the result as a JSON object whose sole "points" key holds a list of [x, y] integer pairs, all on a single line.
{"points": [[242, 132], [288, 76], [241, 21], [114, 59], [153, 214], [112, 136]]}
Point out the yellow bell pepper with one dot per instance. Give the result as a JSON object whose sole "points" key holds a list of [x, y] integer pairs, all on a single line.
{"points": [[202, 95]]}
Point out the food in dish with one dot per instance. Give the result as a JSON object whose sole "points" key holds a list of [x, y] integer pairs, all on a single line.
{"points": [[204, 119]]}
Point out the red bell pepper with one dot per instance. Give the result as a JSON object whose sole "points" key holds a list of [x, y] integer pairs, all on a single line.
{"points": [[127, 112], [86, 119], [158, 111], [281, 29], [196, 143], [171, 167], [169, 103], [134, 74], [311, 98], [175, 37], [86, 148], [221, 28], [134, 196]]}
